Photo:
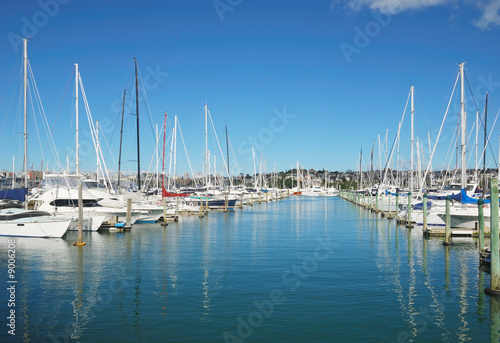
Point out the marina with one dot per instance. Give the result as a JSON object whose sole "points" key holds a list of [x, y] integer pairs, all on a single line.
{"points": [[249, 171], [302, 269]]}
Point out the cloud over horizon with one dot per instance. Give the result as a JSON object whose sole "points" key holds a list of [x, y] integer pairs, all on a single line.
{"points": [[489, 9]]}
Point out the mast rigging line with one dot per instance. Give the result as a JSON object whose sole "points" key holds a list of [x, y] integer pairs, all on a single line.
{"points": [[43, 116], [395, 140], [439, 134]]}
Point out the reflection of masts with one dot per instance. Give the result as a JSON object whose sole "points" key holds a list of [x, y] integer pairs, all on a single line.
{"points": [[412, 312], [463, 301]]}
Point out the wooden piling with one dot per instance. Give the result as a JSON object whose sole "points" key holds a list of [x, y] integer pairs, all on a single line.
{"points": [[447, 235], [425, 212], [409, 224], [480, 214], [80, 242], [128, 218], [164, 212], [494, 289]]}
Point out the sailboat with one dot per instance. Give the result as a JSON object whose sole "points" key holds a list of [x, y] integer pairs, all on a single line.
{"points": [[24, 222]]}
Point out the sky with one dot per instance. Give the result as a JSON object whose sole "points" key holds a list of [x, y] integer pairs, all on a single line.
{"points": [[316, 82]]}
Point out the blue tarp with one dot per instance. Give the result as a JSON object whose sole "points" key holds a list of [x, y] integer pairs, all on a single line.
{"points": [[456, 197], [468, 200], [14, 194]]}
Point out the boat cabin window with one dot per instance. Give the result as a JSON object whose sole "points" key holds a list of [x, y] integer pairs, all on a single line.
{"points": [[453, 187], [73, 203]]}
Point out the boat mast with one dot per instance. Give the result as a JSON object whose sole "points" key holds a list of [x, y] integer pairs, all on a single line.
{"points": [[463, 124], [137, 114], [76, 121], [97, 149], [477, 135], [25, 62], [157, 157], [227, 153], [175, 150], [371, 164], [163, 159], [207, 178], [360, 169], [411, 153], [484, 148], [121, 136]]}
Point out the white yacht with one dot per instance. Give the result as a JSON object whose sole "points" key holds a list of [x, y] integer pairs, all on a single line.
{"points": [[31, 223]]}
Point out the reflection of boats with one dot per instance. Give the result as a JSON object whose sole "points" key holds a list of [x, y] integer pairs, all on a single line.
{"points": [[31, 223]]}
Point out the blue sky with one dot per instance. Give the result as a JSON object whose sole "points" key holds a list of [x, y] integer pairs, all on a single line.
{"points": [[314, 81]]}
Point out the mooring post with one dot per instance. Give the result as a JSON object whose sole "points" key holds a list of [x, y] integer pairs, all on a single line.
{"points": [[225, 202], [494, 288], [164, 212], [241, 200], [447, 232], [480, 204], [425, 212], [80, 242], [397, 206], [251, 199], [128, 219], [201, 208], [409, 211]]}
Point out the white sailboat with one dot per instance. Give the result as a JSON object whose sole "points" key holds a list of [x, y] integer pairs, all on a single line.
{"points": [[23, 222]]}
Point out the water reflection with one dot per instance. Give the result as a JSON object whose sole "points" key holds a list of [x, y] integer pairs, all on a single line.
{"points": [[495, 319]]}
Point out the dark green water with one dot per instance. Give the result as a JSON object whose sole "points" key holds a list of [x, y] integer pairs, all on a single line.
{"points": [[300, 270]]}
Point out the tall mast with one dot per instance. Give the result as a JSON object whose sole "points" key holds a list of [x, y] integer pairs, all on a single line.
{"points": [[25, 62], [371, 164], [463, 125], [121, 136], [360, 169], [76, 121], [227, 153], [157, 157], [163, 159], [476, 143], [137, 114], [411, 156], [97, 148], [175, 149], [430, 154], [485, 126], [206, 146]]}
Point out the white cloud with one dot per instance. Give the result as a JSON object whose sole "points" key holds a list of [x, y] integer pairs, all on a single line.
{"points": [[390, 6], [490, 16]]}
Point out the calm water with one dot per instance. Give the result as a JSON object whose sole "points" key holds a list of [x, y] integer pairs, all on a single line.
{"points": [[300, 270]]}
